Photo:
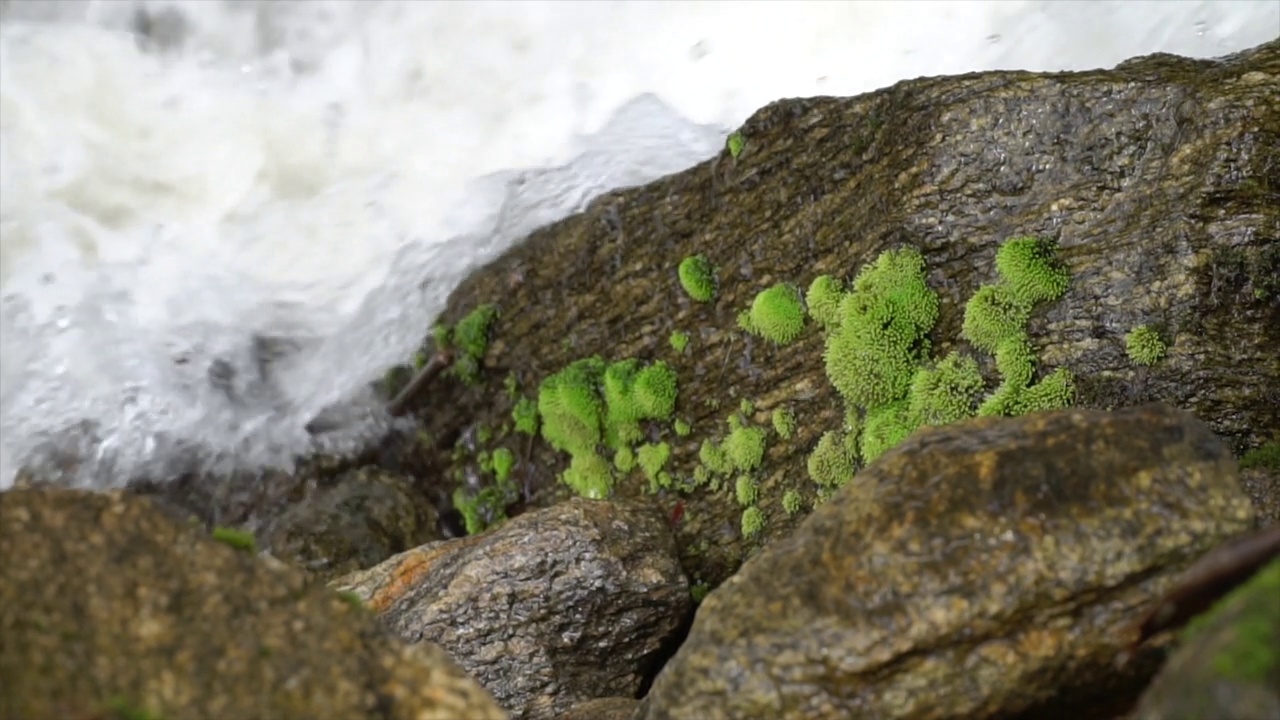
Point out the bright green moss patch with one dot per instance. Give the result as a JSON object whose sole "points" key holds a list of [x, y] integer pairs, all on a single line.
{"points": [[834, 460], [792, 502], [1266, 456], [471, 338], [238, 539], [775, 315], [946, 392], [823, 298], [698, 278], [713, 457], [525, 416], [679, 341], [744, 447], [652, 458], [735, 144], [746, 490], [1030, 268], [682, 428], [1144, 345], [753, 521], [503, 462], [784, 423]]}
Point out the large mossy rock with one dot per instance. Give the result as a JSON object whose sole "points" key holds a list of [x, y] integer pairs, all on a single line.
{"points": [[1159, 180], [980, 570], [108, 608]]}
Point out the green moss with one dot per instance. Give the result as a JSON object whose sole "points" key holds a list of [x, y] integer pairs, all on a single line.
{"points": [[746, 490], [776, 314], [885, 427], [823, 298], [833, 461], [570, 407], [945, 393], [1029, 267], [699, 591], [655, 391], [784, 423], [1144, 345], [735, 144], [679, 341], [1251, 654], [713, 457], [525, 416], [624, 458], [471, 337], [503, 462], [872, 356], [753, 521], [1266, 456], [792, 502], [589, 475], [238, 539], [443, 335], [745, 448], [681, 428], [511, 386], [698, 278], [993, 315], [352, 599], [652, 458]]}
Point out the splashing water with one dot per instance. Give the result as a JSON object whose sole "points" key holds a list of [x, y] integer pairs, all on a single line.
{"points": [[219, 218]]}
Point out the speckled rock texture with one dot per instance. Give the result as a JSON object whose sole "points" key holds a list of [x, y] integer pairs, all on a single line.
{"points": [[978, 570], [108, 608], [1157, 178], [1228, 665], [552, 608]]}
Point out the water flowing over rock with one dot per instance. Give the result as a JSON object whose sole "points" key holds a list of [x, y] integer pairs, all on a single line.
{"points": [[978, 570]]}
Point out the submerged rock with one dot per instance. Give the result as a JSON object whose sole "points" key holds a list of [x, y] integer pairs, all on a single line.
{"points": [[107, 605], [552, 608], [978, 570]]}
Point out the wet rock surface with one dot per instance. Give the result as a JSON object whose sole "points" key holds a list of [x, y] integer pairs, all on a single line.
{"points": [[1158, 180], [978, 570], [1228, 665], [553, 608], [368, 516], [614, 708], [107, 605]]}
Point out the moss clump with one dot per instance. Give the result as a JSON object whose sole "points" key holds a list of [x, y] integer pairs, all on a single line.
{"points": [[746, 490], [652, 458], [698, 278], [784, 423], [679, 341], [744, 447], [713, 458], [624, 458], [792, 502], [1266, 456], [775, 315], [1144, 346], [681, 428], [834, 460], [238, 539], [525, 416], [589, 404], [471, 338], [503, 462], [823, 298], [884, 322], [1029, 266], [735, 144], [753, 522], [946, 392]]}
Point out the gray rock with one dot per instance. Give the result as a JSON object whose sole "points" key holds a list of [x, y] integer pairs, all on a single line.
{"points": [[550, 609], [107, 605], [977, 570]]}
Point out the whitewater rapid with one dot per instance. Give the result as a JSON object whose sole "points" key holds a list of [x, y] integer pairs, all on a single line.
{"points": [[219, 218]]}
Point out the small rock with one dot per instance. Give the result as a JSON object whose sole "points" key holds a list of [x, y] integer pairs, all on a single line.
{"points": [[550, 609]]}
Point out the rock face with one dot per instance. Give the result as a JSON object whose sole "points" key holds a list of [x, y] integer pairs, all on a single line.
{"points": [[106, 605], [978, 570], [552, 608], [1158, 180], [1229, 662]]}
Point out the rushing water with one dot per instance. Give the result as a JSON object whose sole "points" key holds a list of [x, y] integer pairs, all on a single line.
{"points": [[219, 218]]}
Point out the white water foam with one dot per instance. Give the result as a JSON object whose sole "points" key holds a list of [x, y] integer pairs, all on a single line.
{"points": [[187, 188]]}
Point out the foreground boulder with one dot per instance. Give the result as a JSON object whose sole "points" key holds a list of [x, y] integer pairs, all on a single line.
{"points": [[553, 608], [107, 605], [978, 570]]}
